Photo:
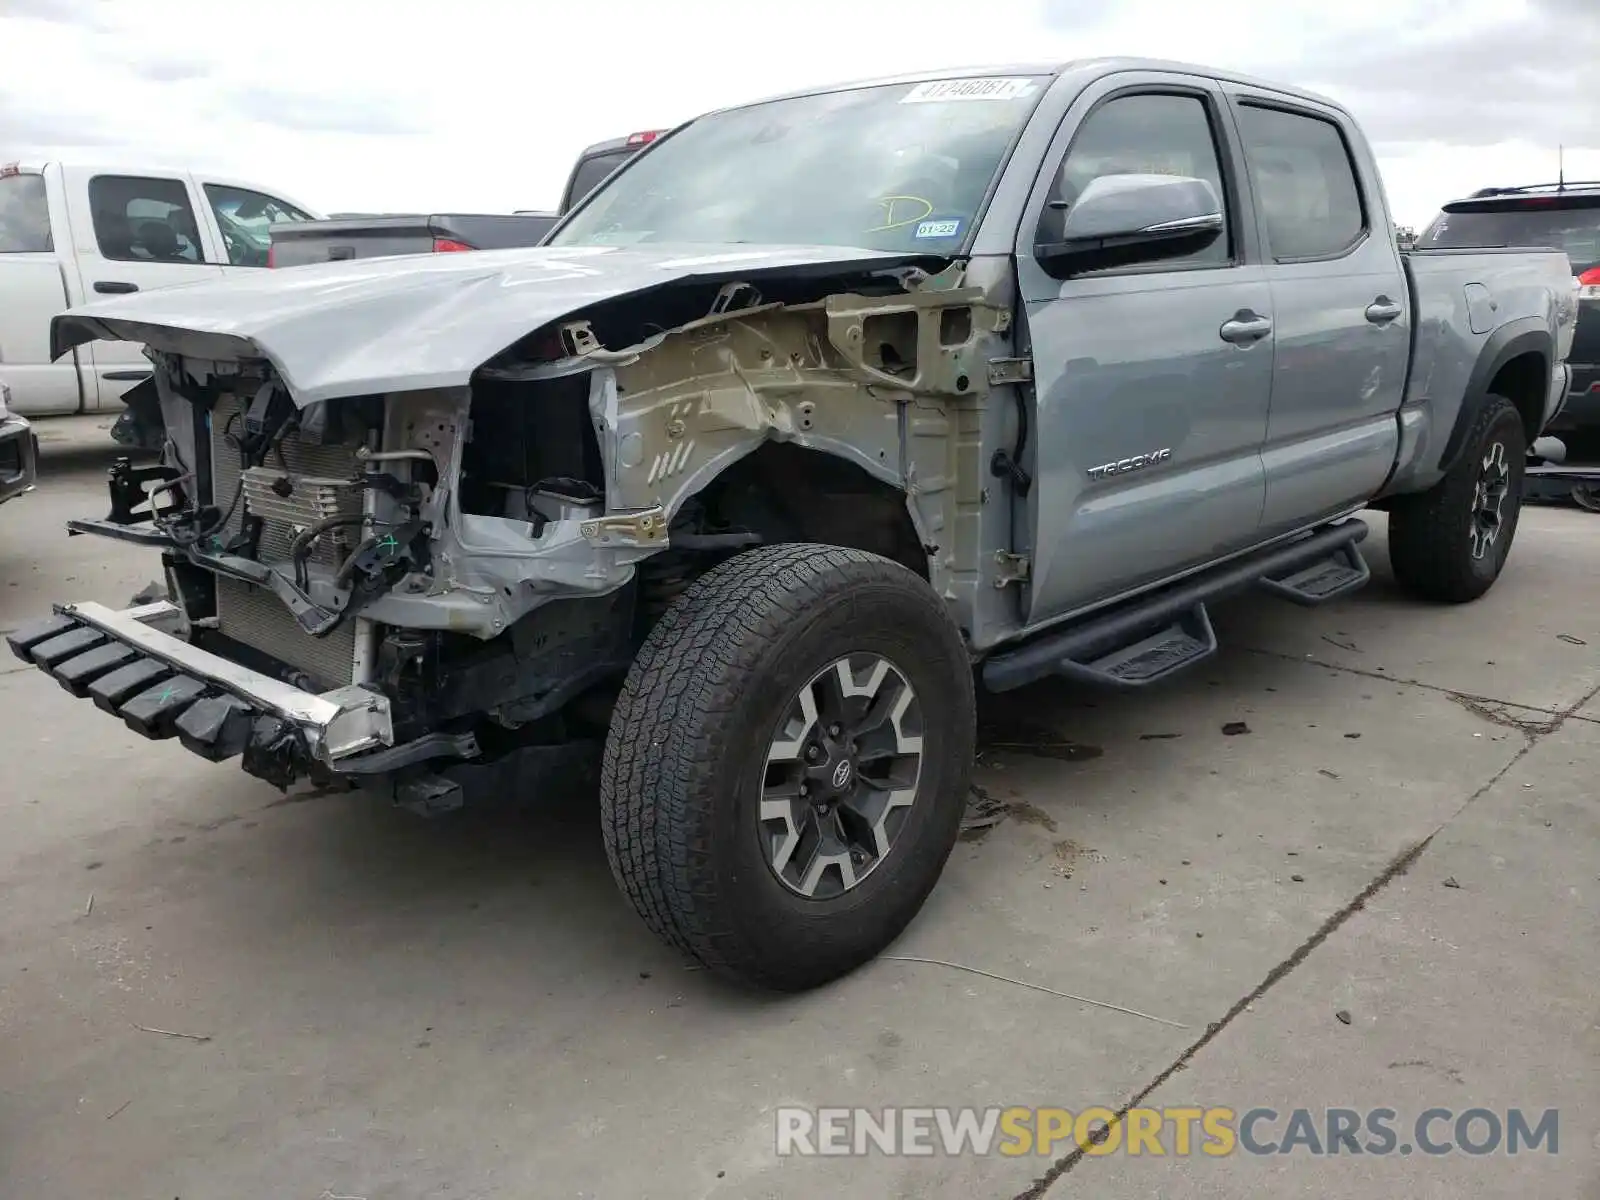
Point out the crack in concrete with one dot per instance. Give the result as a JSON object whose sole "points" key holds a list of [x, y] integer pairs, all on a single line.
{"points": [[1466, 699], [1396, 866], [1498, 712]]}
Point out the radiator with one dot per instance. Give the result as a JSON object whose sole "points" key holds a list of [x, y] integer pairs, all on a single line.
{"points": [[253, 616], [258, 619]]}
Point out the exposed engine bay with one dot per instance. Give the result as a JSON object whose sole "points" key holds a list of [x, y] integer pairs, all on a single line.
{"points": [[487, 558]]}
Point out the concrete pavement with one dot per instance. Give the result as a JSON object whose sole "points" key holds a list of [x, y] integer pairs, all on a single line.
{"points": [[401, 1009]]}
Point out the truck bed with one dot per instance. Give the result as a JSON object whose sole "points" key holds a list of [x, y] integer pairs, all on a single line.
{"points": [[1461, 301], [297, 243]]}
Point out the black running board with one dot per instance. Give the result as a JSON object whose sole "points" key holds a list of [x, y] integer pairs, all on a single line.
{"points": [[1157, 635], [1340, 573]]}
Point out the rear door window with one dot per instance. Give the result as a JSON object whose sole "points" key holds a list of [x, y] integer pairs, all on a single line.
{"points": [[144, 219], [1305, 182], [24, 215]]}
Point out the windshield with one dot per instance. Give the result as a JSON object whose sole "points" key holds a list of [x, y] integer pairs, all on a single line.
{"points": [[900, 167], [1574, 230]]}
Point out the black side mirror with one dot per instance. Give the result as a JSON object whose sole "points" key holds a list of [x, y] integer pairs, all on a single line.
{"points": [[1125, 220]]}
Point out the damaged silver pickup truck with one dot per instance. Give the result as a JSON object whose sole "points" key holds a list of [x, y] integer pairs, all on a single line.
{"points": [[813, 412]]}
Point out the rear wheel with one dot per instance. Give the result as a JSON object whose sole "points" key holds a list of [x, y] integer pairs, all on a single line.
{"points": [[1449, 544], [787, 764]]}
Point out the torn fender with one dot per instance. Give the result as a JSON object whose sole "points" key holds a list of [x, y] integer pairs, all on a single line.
{"points": [[415, 322]]}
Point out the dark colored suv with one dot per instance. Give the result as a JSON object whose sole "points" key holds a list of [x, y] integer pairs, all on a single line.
{"points": [[1565, 216], [598, 161]]}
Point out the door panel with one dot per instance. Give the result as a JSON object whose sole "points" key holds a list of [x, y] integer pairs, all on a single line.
{"points": [[136, 233], [34, 293], [1133, 366], [1143, 361], [34, 242], [1342, 318]]}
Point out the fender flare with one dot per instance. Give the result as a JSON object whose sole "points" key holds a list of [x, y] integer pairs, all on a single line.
{"points": [[1528, 335]]}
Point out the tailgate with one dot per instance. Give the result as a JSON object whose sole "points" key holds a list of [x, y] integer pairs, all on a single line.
{"points": [[296, 243]]}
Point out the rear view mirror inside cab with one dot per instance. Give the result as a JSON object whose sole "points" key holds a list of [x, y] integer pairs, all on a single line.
{"points": [[1124, 220]]}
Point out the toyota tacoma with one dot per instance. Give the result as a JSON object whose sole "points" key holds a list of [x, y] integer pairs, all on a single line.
{"points": [[815, 416]]}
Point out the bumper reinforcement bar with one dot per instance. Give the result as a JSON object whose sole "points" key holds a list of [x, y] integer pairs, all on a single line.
{"points": [[131, 664]]}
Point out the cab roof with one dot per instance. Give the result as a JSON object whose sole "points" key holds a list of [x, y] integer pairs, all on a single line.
{"points": [[1089, 69]]}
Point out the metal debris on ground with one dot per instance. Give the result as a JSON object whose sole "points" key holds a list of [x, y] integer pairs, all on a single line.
{"points": [[1037, 987], [1344, 1016], [1450, 882], [193, 1037], [1033, 740], [1570, 640], [1234, 728], [1351, 646], [984, 812]]}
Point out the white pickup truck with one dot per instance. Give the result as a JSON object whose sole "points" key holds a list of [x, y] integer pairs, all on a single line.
{"points": [[71, 233]]}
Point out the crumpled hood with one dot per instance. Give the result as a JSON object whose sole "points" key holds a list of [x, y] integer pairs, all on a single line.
{"points": [[416, 321]]}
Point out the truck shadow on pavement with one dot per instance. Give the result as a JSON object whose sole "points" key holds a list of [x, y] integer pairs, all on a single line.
{"points": [[537, 864], [1058, 764]]}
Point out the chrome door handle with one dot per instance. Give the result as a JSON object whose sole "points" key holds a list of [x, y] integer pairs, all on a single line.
{"points": [[1383, 310], [1245, 327]]}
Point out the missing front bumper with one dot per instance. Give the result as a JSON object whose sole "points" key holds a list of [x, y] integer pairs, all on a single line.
{"points": [[132, 664]]}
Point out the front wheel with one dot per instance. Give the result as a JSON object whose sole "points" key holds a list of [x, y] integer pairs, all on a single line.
{"points": [[788, 762], [1449, 544]]}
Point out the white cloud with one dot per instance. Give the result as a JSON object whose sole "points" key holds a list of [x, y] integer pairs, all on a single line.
{"points": [[482, 105]]}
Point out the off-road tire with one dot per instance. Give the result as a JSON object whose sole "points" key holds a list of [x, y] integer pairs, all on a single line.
{"points": [[686, 755], [1430, 544]]}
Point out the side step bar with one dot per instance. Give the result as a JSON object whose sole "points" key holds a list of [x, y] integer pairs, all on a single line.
{"points": [[1157, 635], [1342, 572]]}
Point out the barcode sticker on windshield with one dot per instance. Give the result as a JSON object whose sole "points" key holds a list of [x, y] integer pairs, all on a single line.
{"points": [[948, 90]]}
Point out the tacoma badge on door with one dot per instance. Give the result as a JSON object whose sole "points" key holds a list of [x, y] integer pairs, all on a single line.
{"points": [[1137, 463]]}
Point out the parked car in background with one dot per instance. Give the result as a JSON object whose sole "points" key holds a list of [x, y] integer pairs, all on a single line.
{"points": [[598, 161], [297, 243], [356, 236], [19, 450], [1015, 373], [1564, 216], [68, 233]]}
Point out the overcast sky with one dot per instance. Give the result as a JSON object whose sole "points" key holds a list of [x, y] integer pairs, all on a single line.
{"points": [[481, 105]]}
